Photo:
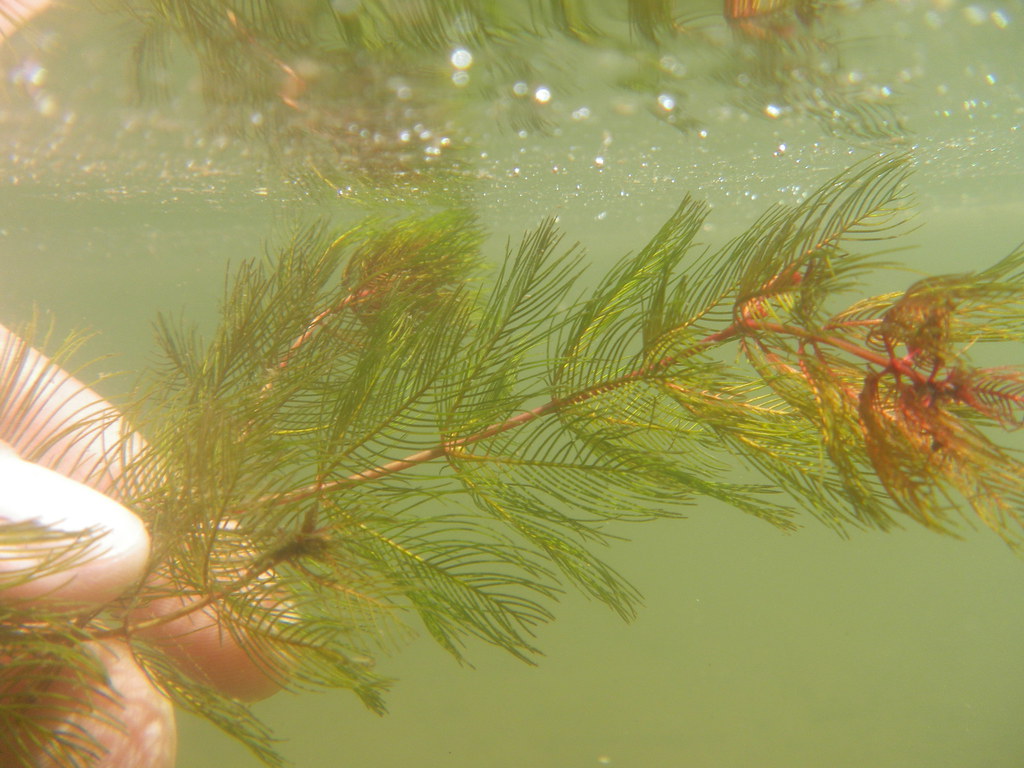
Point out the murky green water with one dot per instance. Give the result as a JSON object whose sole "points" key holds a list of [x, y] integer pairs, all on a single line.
{"points": [[754, 648]]}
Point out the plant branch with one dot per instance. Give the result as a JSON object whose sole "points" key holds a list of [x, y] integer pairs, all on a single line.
{"points": [[734, 330]]}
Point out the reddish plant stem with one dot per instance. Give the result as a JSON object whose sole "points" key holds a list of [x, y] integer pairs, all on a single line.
{"points": [[294, 85], [738, 328], [735, 329], [421, 457], [901, 365], [317, 321]]}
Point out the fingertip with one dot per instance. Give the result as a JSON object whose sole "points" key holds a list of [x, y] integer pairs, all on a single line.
{"points": [[104, 551], [118, 720], [204, 648]]}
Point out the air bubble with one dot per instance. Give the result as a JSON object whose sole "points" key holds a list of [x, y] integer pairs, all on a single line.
{"points": [[461, 58], [974, 14]]}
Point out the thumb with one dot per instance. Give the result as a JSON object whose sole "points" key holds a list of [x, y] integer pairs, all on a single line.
{"points": [[61, 541]]}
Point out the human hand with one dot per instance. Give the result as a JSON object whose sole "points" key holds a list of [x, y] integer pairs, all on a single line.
{"points": [[103, 552], [14, 13], [79, 446]]}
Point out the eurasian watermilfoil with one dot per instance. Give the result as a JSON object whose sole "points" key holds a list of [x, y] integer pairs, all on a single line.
{"points": [[378, 428]]}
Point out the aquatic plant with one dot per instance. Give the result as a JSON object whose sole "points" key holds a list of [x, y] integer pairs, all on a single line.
{"points": [[379, 429], [331, 81]]}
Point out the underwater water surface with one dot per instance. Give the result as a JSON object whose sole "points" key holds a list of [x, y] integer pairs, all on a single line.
{"points": [[753, 647]]}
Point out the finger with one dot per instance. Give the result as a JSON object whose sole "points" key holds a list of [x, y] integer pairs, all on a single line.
{"points": [[103, 550], [51, 418], [206, 649], [14, 13], [115, 718]]}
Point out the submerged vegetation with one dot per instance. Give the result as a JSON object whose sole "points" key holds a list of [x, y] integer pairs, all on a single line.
{"points": [[377, 428], [385, 433]]}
